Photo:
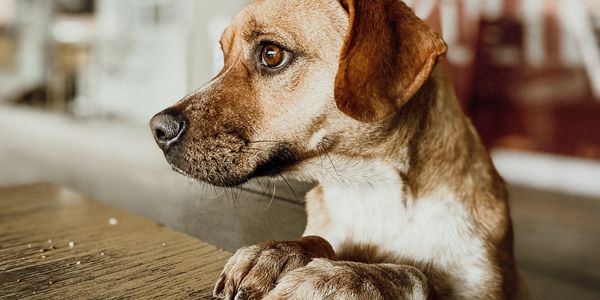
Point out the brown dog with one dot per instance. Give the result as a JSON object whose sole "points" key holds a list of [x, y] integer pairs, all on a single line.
{"points": [[347, 93]]}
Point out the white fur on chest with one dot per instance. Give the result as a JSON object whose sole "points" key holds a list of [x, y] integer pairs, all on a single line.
{"points": [[371, 208], [435, 228]]}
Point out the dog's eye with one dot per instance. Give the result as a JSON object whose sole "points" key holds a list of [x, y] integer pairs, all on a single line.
{"points": [[273, 56]]}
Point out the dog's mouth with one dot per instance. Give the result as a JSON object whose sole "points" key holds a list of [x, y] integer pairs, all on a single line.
{"points": [[230, 165], [281, 158]]}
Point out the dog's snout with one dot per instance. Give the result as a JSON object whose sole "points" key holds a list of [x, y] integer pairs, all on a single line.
{"points": [[167, 128]]}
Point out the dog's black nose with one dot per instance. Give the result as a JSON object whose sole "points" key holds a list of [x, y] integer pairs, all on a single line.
{"points": [[167, 128]]}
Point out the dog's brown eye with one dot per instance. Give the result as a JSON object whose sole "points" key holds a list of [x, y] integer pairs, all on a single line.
{"points": [[273, 56]]}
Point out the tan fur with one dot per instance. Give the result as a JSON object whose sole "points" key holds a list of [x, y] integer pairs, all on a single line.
{"points": [[408, 204], [319, 220]]}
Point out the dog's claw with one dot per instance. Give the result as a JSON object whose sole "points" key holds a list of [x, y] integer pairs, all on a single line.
{"points": [[240, 296], [219, 286]]}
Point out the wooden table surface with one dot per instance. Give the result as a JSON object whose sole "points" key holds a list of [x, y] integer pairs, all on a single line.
{"points": [[57, 244]]}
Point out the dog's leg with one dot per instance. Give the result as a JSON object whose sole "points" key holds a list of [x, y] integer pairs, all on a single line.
{"points": [[325, 279], [253, 271]]}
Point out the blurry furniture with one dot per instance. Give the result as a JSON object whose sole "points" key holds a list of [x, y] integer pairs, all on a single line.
{"points": [[8, 49], [57, 244], [526, 71], [24, 29], [71, 41], [549, 107]]}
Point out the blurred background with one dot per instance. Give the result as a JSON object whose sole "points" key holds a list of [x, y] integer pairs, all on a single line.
{"points": [[79, 80]]}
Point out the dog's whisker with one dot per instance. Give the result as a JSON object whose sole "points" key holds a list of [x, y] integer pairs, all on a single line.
{"points": [[235, 193], [272, 198], [330, 161], [264, 190], [231, 197], [217, 194], [289, 186], [321, 154]]}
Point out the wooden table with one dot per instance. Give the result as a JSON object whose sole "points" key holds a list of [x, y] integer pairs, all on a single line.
{"points": [[57, 244]]}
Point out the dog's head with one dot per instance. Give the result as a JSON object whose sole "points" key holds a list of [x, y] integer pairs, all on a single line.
{"points": [[300, 78]]}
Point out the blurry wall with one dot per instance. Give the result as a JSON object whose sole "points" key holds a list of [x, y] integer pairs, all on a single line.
{"points": [[150, 53]]}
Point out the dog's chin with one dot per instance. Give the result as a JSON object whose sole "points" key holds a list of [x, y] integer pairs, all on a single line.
{"points": [[200, 173], [281, 158], [220, 181]]}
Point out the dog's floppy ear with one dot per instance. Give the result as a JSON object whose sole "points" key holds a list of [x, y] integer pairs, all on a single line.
{"points": [[387, 56]]}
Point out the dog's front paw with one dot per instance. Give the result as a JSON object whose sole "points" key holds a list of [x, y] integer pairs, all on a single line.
{"points": [[253, 271], [324, 279]]}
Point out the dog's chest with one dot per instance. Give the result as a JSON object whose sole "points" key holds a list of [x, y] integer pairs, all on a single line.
{"points": [[422, 229], [435, 230]]}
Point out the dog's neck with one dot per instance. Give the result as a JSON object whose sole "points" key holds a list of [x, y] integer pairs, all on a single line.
{"points": [[428, 144], [433, 143]]}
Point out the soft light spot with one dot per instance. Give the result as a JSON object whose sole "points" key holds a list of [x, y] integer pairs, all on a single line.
{"points": [[316, 139]]}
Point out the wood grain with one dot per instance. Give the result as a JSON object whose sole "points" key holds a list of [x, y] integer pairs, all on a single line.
{"points": [[132, 259]]}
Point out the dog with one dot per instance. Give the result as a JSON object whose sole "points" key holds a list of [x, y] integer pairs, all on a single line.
{"points": [[349, 94]]}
